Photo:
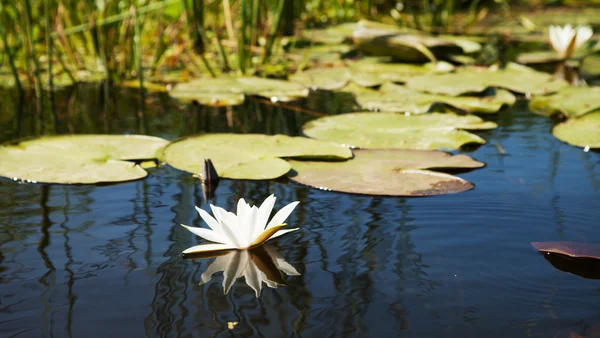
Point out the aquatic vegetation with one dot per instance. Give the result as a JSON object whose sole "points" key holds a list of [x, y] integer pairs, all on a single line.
{"points": [[79, 159], [571, 249], [404, 47], [566, 40], [248, 156], [583, 131], [392, 130], [261, 265], [516, 78], [395, 98], [388, 172], [231, 90], [579, 258], [569, 102], [371, 71], [247, 229]]}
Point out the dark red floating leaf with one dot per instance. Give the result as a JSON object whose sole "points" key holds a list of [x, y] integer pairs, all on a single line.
{"points": [[571, 249], [582, 259]]}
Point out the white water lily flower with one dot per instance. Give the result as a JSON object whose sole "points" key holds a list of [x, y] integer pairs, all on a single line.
{"points": [[565, 40], [246, 230], [258, 266]]}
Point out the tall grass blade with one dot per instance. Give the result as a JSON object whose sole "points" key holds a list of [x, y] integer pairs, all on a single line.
{"points": [[49, 49], [8, 50], [273, 34]]}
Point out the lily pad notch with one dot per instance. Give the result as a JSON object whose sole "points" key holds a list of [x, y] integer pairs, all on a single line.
{"points": [[248, 156]]}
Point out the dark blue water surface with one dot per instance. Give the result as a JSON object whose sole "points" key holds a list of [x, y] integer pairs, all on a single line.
{"points": [[104, 261]]}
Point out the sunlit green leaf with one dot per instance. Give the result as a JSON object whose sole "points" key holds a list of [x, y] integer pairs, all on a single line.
{"points": [[570, 102], [391, 130], [582, 131], [248, 156], [395, 98], [83, 159]]}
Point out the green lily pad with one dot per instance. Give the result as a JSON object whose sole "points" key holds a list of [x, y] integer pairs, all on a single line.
{"points": [[323, 53], [402, 47], [518, 79], [248, 156], [339, 33], [570, 102], [333, 35], [391, 130], [151, 87], [323, 78], [79, 159], [370, 72], [591, 65], [229, 90], [582, 131], [539, 58], [395, 98], [386, 172], [468, 44]]}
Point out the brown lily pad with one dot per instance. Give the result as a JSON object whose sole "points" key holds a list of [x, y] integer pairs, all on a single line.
{"points": [[386, 172], [571, 249]]}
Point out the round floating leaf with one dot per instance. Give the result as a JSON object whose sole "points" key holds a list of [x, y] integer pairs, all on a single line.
{"points": [[333, 35], [322, 53], [516, 78], [395, 98], [323, 78], [391, 130], [370, 72], [583, 131], [79, 159], [248, 156], [571, 249], [229, 90], [385, 172], [591, 65], [403, 47], [571, 102], [539, 58]]}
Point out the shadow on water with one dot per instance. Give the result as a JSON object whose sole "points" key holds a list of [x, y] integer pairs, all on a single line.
{"points": [[586, 268]]}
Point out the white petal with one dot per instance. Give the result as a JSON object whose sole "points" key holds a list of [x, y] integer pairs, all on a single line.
{"points": [[208, 235], [228, 223], [242, 209], [281, 232], [584, 33], [253, 278], [263, 213], [280, 262], [208, 247], [224, 216], [219, 264], [235, 269], [210, 221], [282, 214], [271, 284], [251, 225]]}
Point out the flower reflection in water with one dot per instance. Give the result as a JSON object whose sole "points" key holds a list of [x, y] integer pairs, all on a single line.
{"points": [[260, 265]]}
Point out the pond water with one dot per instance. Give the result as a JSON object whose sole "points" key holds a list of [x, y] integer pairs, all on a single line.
{"points": [[101, 261]]}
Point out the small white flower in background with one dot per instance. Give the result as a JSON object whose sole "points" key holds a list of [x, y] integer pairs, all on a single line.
{"points": [[565, 40], [246, 230], [258, 266]]}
